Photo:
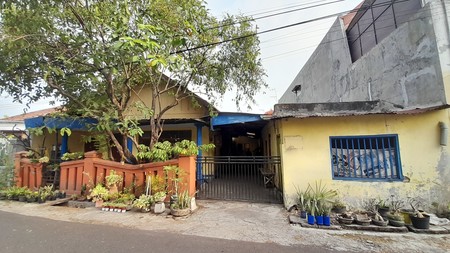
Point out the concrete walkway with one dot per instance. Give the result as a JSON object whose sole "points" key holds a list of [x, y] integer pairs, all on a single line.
{"points": [[242, 221]]}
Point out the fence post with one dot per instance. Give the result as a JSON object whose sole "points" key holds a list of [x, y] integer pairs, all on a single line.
{"points": [[90, 169], [18, 169], [187, 163]]}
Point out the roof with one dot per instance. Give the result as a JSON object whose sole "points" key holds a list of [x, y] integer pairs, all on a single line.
{"points": [[356, 13], [349, 16], [335, 109], [28, 115]]}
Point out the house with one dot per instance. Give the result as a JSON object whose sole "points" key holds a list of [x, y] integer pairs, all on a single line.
{"points": [[184, 121], [15, 126], [368, 113], [233, 170]]}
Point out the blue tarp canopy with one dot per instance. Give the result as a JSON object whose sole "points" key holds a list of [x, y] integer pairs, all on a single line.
{"points": [[58, 123], [228, 118]]}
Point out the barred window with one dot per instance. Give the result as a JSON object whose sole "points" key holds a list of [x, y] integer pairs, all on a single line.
{"points": [[366, 157]]}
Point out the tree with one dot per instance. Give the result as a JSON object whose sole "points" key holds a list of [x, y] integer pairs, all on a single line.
{"points": [[93, 55]]}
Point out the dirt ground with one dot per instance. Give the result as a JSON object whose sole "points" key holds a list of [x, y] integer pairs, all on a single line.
{"points": [[242, 221]]}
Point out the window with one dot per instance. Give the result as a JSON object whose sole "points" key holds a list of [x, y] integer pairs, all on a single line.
{"points": [[366, 157]]}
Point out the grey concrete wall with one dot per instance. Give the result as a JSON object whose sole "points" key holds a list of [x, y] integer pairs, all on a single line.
{"points": [[403, 69]]}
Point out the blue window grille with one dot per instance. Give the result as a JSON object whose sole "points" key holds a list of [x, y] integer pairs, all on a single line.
{"points": [[366, 157]]}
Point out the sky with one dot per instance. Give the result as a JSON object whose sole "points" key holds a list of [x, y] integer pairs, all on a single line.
{"points": [[283, 52]]}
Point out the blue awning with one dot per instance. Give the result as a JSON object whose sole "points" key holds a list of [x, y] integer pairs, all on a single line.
{"points": [[58, 123], [234, 118]]}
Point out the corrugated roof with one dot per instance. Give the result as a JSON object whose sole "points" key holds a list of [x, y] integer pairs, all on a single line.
{"points": [[28, 115]]}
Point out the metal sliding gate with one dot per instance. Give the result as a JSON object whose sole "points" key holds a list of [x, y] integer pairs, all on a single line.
{"points": [[247, 178]]}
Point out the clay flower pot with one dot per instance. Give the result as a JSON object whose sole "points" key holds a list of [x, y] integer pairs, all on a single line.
{"points": [[180, 212]]}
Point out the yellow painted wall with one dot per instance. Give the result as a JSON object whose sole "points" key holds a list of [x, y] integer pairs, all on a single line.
{"points": [[306, 155], [75, 143], [270, 132], [184, 110]]}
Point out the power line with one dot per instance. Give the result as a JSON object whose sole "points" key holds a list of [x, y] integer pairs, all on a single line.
{"points": [[284, 27], [277, 14], [288, 6], [332, 30], [343, 38]]}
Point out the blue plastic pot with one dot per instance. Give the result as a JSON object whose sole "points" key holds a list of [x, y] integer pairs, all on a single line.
{"points": [[326, 220], [319, 220], [310, 219], [303, 214]]}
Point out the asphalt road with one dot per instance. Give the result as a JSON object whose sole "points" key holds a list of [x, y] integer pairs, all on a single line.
{"points": [[20, 233]]}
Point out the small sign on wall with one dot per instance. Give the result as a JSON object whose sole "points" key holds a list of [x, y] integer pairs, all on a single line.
{"points": [[293, 142]]}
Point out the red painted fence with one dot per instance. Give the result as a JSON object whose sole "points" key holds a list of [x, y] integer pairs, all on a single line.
{"points": [[27, 173], [92, 170]]}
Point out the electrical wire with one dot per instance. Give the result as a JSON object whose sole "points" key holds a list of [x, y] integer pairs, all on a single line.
{"points": [[284, 27], [276, 14], [343, 38]]}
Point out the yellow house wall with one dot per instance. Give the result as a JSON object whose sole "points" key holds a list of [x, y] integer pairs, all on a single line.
{"points": [[184, 110], [75, 142], [272, 130], [425, 163]]}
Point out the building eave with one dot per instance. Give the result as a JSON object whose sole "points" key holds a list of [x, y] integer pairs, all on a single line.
{"points": [[339, 109]]}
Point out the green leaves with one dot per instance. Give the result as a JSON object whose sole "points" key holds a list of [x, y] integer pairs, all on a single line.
{"points": [[96, 56], [64, 131]]}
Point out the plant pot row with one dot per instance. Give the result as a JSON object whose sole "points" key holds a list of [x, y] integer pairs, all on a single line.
{"points": [[118, 210], [322, 220]]}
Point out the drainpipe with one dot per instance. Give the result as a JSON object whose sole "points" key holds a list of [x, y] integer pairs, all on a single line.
{"points": [[444, 133]]}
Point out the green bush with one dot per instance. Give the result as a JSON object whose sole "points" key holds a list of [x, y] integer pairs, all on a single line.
{"points": [[6, 166]]}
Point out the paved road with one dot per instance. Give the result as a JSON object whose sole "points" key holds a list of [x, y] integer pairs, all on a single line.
{"points": [[38, 235]]}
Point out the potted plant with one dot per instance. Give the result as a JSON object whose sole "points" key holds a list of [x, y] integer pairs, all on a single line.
{"points": [[2, 195], [158, 184], [98, 195], [182, 206], [419, 219], [32, 196], [378, 220], [10, 192], [319, 212], [143, 203], [346, 218], [395, 218], [311, 210], [105, 206], [159, 196], [44, 193], [326, 215], [113, 181], [339, 207], [302, 197], [383, 208], [363, 219], [23, 192], [121, 207]]}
